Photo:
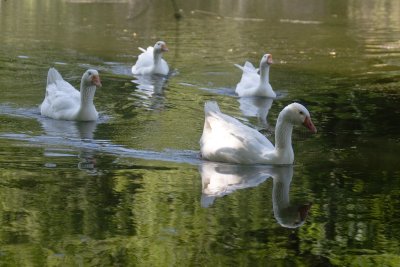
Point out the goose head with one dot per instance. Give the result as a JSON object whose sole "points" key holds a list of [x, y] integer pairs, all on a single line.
{"points": [[266, 60], [293, 216], [160, 47], [90, 78], [297, 114]]}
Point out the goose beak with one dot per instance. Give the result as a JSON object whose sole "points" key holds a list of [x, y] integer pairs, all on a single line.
{"points": [[96, 80], [308, 123], [269, 60], [164, 48], [303, 211]]}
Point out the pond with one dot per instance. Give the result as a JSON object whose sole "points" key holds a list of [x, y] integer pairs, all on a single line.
{"points": [[131, 189]]}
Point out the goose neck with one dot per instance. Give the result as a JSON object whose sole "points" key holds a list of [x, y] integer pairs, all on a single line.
{"points": [[264, 74], [283, 134], [87, 95], [157, 57]]}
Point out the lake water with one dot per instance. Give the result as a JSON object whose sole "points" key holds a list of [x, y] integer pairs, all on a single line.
{"points": [[131, 190]]}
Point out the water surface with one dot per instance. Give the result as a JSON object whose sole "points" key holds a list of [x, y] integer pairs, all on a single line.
{"points": [[131, 190]]}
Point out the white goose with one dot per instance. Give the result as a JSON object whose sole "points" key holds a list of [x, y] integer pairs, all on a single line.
{"points": [[254, 84], [151, 61], [225, 139], [64, 102]]}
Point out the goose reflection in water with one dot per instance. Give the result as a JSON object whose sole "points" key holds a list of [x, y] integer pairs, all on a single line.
{"points": [[220, 179], [150, 90], [256, 107], [150, 84], [72, 130]]}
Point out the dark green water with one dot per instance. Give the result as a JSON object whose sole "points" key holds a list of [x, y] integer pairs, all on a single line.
{"points": [[130, 190]]}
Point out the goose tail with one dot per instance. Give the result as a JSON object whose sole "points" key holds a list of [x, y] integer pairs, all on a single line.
{"points": [[53, 75], [211, 106], [239, 67]]}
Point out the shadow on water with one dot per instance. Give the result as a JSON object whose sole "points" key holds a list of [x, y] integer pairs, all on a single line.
{"points": [[220, 179]]}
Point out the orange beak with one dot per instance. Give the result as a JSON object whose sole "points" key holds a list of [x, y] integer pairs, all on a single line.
{"points": [[164, 48], [96, 80], [308, 123], [269, 60]]}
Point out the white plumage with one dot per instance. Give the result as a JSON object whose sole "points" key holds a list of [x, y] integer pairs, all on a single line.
{"points": [[225, 139], [151, 61], [64, 102], [254, 84]]}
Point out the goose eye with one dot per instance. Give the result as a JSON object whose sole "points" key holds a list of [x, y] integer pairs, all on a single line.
{"points": [[301, 112], [90, 73]]}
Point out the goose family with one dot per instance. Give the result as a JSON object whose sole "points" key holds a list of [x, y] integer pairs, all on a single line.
{"points": [[224, 138]]}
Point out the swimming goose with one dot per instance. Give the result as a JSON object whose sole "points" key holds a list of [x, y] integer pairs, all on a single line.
{"points": [[151, 61], [254, 84], [225, 139], [64, 102]]}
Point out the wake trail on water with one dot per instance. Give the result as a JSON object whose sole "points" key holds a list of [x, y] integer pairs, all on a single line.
{"points": [[78, 135]]}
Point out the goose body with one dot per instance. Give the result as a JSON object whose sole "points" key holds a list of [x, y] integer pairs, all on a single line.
{"points": [[151, 61], [64, 102], [225, 139], [254, 84]]}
